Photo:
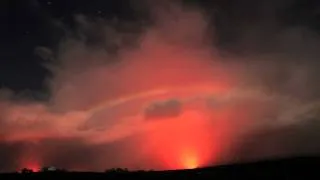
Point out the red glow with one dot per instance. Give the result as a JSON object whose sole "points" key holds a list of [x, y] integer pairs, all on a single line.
{"points": [[31, 164], [34, 167], [189, 141], [191, 144]]}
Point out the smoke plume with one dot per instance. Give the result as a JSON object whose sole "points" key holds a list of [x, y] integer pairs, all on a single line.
{"points": [[182, 89]]}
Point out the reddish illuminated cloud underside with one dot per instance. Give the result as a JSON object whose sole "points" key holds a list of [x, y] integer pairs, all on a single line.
{"points": [[99, 100], [167, 65]]}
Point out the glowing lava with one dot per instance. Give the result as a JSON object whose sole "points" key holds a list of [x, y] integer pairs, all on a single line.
{"points": [[34, 168], [30, 164], [185, 142], [189, 161]]}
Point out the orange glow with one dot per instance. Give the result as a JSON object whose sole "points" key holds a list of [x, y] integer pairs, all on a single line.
{"points": [[110, 102], [190, 161], [186, 142]]}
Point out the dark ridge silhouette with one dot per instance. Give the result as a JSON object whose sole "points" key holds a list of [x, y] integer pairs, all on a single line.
{"points": [[289, 168]]}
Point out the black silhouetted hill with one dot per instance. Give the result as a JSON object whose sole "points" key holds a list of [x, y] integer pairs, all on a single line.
{"points": [[291, 168]]}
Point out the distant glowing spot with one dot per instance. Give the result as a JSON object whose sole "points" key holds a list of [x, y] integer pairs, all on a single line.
{"points": [[190, 162], [34, 166]]}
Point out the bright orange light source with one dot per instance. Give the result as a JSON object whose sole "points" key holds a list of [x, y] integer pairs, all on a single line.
{"points": [[190, 162]]}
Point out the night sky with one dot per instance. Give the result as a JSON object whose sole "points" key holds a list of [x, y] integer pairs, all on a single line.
{"points": [[29, 24], [89, 85]]}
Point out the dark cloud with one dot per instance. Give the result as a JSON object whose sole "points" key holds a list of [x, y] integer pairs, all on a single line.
{"points": [[64, 153], [8, 155], [294, 140], [75, 154], [161, 110]]}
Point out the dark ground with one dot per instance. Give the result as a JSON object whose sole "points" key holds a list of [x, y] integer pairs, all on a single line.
{"points": [[293, 168]]}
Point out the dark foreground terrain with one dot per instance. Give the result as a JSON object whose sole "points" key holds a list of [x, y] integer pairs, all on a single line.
{"points": [[293, 168]]}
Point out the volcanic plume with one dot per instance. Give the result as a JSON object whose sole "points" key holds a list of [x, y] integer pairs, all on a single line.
{"points": [[157, 96]]}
